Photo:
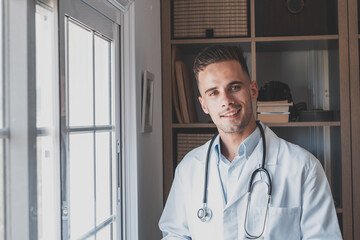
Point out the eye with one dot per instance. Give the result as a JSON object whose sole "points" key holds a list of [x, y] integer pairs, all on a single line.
{"points": [[235, 87], [213, 93]]}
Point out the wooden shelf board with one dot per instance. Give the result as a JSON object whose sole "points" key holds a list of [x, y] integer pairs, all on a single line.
{"points": [[249, 39], [193, 125], [210, 40], [288, 124], [296, 38], [339, 210], [303, 124]]}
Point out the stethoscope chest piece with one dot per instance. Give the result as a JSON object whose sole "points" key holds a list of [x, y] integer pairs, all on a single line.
{"points": [[204, 214]]}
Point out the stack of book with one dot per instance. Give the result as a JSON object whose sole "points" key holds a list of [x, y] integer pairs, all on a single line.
{"points": [[273, 111]]}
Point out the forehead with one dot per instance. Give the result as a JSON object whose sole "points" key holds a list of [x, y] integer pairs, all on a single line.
{"points": [[221, 72]]}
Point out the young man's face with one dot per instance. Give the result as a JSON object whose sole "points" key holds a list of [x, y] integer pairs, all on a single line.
{"points": [[227, 95]]}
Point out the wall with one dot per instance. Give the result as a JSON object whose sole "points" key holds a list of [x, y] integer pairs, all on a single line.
{"points": [[150, 177]]}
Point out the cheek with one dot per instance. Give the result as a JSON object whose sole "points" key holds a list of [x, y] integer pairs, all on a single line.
{"points": [[247, 96], [210, 108], [204, 105]]}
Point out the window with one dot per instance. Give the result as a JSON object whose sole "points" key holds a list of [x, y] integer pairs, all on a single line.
{"points": [[89, 134], [64, 178]]}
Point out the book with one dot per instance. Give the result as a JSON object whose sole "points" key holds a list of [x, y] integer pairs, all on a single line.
{"points": [[181, 91], [174, 86], [274, 103], [273, 106], [189, 93], [268, 117]]}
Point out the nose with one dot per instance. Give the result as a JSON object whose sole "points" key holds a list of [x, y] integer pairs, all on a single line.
{"points": [[226, 99]]}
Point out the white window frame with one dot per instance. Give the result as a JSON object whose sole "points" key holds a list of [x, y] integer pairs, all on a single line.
{"points": [[4, 133], [49, 9], [129, 137], [19, 68]]}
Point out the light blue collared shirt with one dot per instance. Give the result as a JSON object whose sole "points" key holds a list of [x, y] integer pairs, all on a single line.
{"points": [[230, 172]]}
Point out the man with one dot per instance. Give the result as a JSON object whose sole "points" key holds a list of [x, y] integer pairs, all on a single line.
{"points": [[301, 205]]}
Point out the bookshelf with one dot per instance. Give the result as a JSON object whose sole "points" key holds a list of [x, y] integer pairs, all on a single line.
{"points": [[316, 67]]}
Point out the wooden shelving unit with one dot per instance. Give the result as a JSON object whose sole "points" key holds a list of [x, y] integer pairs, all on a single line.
{"points": [[341, 50]]}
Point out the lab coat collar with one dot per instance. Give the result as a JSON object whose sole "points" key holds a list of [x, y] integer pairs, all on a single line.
{"points": [[254, 161]]}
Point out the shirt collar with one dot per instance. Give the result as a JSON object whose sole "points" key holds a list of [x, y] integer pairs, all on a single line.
{"points": [[246, 148]]}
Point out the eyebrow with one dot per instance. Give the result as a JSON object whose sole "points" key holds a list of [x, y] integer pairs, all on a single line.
{"points": [[236, 83], [210, 89], [230, 84]]}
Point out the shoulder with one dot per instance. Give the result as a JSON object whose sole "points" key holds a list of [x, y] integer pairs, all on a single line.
{"points": [[291, 154], [297, 154]]}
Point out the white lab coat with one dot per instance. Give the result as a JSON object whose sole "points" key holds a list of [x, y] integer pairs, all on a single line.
{"points": [[301, 205]]}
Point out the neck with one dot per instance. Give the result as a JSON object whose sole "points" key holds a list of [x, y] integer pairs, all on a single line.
{"points": [[230, 142]]}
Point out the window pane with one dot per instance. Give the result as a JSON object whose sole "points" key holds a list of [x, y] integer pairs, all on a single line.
{"points": [[102, 80], [47, 182], [81, 183], [45, 62], [104, 234], [80, 70], [103, 176]]}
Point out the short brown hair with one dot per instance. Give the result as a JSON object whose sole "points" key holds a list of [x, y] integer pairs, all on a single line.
{"points": [[218, 53]]}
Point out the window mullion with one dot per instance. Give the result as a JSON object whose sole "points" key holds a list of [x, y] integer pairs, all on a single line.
{"points": [[94, 123], [64, 123]]}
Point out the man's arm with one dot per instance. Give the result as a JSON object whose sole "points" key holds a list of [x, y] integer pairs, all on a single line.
{"points": [[318, 220], [173, 222]]}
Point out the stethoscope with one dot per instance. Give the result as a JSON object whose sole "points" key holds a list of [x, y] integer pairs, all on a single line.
{"points": [[205, 213]]}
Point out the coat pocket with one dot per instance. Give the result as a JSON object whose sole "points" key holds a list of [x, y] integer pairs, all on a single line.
{"points": [[283, 223]]}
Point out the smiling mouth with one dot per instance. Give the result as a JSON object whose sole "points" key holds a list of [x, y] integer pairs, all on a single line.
{"points": [[231, 113]]}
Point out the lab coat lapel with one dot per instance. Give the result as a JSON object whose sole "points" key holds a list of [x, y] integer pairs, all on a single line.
{"points": [[254, 161], [272, 147]]}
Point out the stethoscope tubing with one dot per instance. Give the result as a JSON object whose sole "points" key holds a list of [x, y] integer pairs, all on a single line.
{"points": [[205, 213], [206, 169], [261, 169]]}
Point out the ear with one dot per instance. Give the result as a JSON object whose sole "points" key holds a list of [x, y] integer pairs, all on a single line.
{"points": [[254, 91], [203, 105]]}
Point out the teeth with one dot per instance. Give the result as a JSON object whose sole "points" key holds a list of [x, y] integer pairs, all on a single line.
{"points": [[231, 114]]}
